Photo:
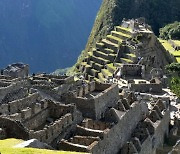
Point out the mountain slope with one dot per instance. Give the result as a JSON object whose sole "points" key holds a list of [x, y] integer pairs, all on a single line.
{"points": [[45, 34], [157, 13]]}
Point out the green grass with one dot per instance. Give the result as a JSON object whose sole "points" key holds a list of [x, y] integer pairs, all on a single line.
{"points": [[122, 34], [131, 55], [106, 72], [166, 45], [90, 53], [178, 59], [6, 147], [177, 42], [115, 38], [100, 43], [176, 53], [111, 66], [127, 60], [101, 77], [123, 28]]}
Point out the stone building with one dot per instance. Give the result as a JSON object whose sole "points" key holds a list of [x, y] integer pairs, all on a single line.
{"points": [[84, 116], [16, 70]]}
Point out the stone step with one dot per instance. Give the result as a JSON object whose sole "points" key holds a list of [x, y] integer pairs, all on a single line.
{"points": [[110, 45], [97, 80], [98, 66], [130, 56], [90, 62], [112, 57], [101, 77], [66, 145], [89, 132], [111, 68], [123, 30], [99, 60], [83, 140], [100, 45], [120, 35], [90, 77], [126, 61], [94, 72], [108, 51], [117, 64], [114, 39], [101, 54], [106, 73]]}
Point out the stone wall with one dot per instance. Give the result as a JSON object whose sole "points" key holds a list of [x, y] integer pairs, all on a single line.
{"points": [[2, 134], [120, 133], [50, 132], [96, 106], [58, 110], [13, 86], [146, 87], [133, 70], [14, 129], [150, 133]]}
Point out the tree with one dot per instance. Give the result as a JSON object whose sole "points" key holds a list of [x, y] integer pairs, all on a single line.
{"points": [[170, 31]]}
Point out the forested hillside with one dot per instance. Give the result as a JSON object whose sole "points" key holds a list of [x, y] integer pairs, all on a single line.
{"points": [[158, 13], [47, 34]]}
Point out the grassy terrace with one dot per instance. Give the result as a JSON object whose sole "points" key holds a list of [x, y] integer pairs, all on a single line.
{"points": [[114, 38], [169, 48], [109, 50], [100, 59], [166, 45], [90, 53], [177, 42], [100, 53], [105, 72], [6, 147], [176, 53], [111, 66], [123, 28], [109, 42], [101, 77], [178, 59], [127, 60], [122, 34], [131, 55]]}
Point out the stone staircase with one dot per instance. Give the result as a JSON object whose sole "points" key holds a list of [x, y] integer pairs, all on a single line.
{"points": [[100, 63], [87, 135]]}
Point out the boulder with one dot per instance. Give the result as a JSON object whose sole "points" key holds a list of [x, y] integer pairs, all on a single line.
{"points": [[33, 143]]}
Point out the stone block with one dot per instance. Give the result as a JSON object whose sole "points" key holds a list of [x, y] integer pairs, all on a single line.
{"points": [[2, 134], [26, 113], [80, 92], [4, 109], [13, 107], [86, 89], [37, 108], [16, 116]]}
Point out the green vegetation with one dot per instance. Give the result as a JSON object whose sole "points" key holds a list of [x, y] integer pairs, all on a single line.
{"points": [[46, 34], [174, 67], [166, 45], [171, 31], [6, 147], [106, 73], [169, 48], [117, 40], [175, 85], [175, 81], [127, 60], [112, 12], [131, 55], [111, 66]]}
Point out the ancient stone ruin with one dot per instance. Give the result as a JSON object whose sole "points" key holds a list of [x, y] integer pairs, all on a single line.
{"points": [[120, 107]]}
